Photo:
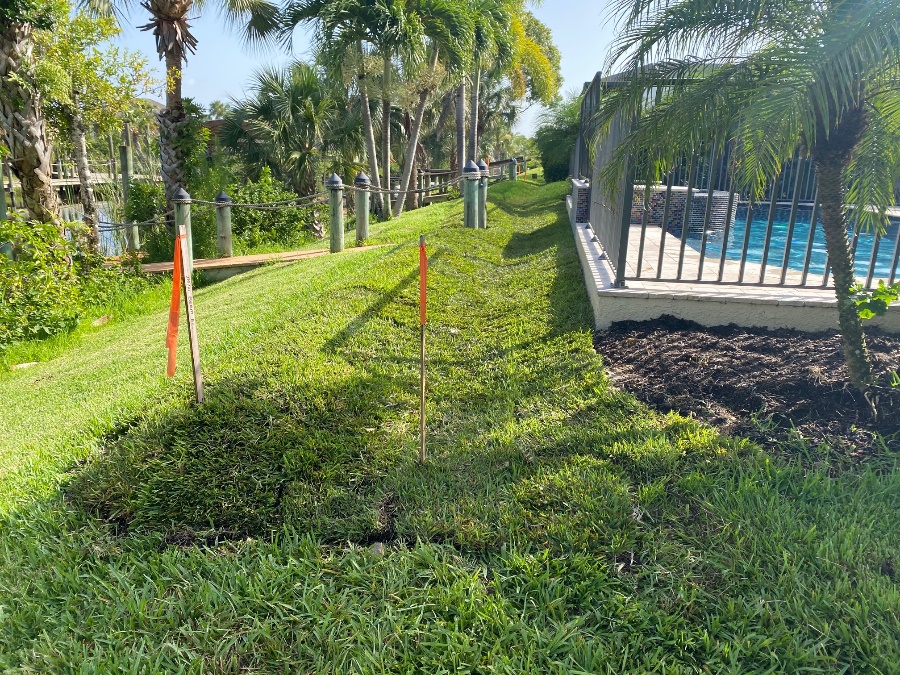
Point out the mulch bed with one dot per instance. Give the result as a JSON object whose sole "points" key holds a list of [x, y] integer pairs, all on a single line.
{"points": [[761, 384]]}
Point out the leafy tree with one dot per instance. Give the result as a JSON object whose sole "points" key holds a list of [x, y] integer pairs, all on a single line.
{"points": [[87, 83], [556, 136], [21, 104], [773, 76]]}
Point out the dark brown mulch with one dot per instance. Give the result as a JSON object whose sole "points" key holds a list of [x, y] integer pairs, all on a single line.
{"points": [[756, 383]]}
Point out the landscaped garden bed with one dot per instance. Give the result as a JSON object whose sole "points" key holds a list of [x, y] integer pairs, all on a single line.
{"points": [[782, 388]]}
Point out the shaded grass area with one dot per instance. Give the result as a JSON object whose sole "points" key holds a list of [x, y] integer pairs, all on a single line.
{"points": [[559, 525]]}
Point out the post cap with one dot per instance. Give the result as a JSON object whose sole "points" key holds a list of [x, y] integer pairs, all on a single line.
{"points": [[334, 182], [471, 167], [222, 198], [361, 179], [181, 195], [482, 165]]}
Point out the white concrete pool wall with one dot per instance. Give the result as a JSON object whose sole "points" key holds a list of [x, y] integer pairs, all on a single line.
{"points": [[805, 309]]}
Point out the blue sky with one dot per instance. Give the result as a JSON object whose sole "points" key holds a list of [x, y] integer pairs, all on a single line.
{"points": [[222, 67]]}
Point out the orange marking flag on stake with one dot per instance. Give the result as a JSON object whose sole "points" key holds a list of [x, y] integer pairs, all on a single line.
{"points": [[423, 273], [174, 310]]}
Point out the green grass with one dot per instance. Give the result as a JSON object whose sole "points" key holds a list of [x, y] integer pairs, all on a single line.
{"points": [[558, 526]]}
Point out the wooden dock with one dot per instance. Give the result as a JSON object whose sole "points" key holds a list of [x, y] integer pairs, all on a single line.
{"points": [[218, 269]]}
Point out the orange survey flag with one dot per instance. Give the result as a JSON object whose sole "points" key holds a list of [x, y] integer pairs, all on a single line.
{"points": [[423, 273], [174, 310]]}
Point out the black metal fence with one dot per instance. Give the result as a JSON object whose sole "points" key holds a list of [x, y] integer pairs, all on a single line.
{"points": [[696, 226]]}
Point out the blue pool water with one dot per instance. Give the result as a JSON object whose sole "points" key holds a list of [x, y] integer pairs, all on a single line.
{"points": [[799, 241]]}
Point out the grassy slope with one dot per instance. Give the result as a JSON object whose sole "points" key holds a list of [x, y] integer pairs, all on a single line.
{"points": [[559, 526]]}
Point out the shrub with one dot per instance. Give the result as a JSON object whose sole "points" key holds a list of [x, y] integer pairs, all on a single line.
{"points": [[252, 227], [146, 200], [48, 282], [556, 137], [38, 287]]}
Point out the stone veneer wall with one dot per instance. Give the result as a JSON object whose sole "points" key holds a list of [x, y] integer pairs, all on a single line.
{"points": [[581, 193], [657, 207]]}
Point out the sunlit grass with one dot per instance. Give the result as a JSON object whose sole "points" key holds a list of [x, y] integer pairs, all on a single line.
{"points": [[558, 525]]}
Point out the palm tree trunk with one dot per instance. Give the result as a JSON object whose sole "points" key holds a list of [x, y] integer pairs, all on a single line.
{"points": [[386, 133], [834, 223], [20, 113], [461, 125], [473, 116], [413, 143], [172, 120], [79, 143], [369, 130]]}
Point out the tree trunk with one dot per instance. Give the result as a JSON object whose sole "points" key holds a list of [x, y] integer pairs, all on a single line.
{"points": [[386, 133], [461, 125], [369, 130], [85, 179], [172, 121], [831, 155], [473, 117], [410, 160], [20, 113]]}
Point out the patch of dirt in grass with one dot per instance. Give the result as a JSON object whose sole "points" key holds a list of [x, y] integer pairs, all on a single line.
{"points": [[766, 385]]}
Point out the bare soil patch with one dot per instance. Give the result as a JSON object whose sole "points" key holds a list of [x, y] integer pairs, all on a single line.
{"points": [[772, 386]]}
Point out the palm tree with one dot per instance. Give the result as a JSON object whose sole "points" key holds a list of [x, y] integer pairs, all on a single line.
{"points": [[773, 76], [20, 108], [286, 125], [492, 43], [169, 21], [447, 29], [349, 31]]}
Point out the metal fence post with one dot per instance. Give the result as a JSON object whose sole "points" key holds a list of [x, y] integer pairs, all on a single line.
{"points": [[513, 169], [336, 207], [3, 215], [470, 194], [223, 224], [482, 194], [362, 182], [182, 202]]}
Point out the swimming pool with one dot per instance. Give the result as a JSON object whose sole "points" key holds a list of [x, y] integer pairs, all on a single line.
{"points": [[799, 240]]}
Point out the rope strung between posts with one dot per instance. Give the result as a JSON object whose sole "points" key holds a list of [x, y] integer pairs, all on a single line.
{"points": [[108, 226], [433, 188], [296, 202]]}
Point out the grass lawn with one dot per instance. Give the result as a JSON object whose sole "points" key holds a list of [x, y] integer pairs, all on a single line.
{"points": [[285, 526]]}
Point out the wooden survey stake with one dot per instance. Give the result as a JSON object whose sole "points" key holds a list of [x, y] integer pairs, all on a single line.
{"points": [[423, 292], [191, 317]]}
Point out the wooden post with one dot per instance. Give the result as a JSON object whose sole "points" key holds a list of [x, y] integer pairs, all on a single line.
{"points": [[513, 169], [362, 207], [470, 194], [112, 157], [3, 215], [12, 194], [482, 194], [183, 219], [223, 224], [187, 267], [336, 208], [126, 162]]}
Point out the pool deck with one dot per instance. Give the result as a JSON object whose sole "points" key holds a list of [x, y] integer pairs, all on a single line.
{"points": [[808, 308]]}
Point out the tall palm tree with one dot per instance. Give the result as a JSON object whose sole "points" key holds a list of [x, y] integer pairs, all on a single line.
{"points": [[822, 75], [447, 29], [349, 32], [20, 108], [492, 44], [169, 21]]}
